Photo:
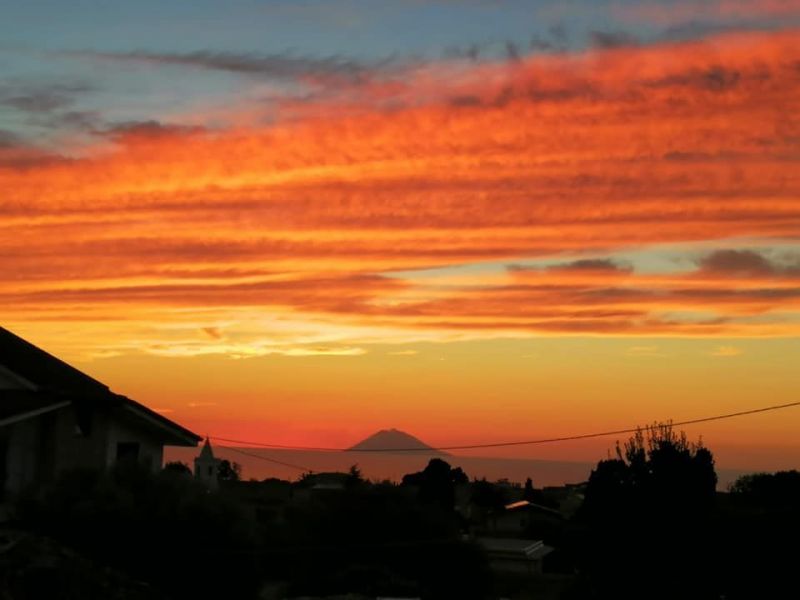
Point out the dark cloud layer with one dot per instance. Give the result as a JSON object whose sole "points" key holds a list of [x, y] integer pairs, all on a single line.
{"points": [[748, 263], [588, 265], [278, 66], [19, 154], [44, 97]]}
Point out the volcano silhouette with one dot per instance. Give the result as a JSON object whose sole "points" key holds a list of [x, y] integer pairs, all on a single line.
{"points": [[394, 440]]}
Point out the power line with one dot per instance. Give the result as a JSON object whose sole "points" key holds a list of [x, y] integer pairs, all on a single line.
{"points": [[272, 460], [284, 447], [514, 443]]}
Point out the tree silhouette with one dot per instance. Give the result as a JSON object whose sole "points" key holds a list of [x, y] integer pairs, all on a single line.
{"points": [[354, 476], [488, 496], [177, 468], [229, 471], [648, 517], [781, 489], [762, 512]]}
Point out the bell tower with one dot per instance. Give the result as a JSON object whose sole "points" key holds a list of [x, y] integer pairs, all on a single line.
{"points": [[205, 466]]}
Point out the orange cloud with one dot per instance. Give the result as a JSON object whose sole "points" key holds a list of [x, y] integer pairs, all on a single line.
{"points": [[320, 214]]}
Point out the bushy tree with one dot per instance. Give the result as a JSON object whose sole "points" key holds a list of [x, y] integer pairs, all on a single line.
{"points": [[648, 518], [229, 471], [781, 489], [354, 476], [758, 532], [178, 468]]}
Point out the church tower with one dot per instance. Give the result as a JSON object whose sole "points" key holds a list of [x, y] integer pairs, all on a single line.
{"points": [[205, 466]]}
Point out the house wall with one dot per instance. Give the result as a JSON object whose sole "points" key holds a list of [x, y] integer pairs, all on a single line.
{"points": [[73, 449], [22, 446], [99, 449], [512, 522], [125, 428], [9, 381], [40, 448]]}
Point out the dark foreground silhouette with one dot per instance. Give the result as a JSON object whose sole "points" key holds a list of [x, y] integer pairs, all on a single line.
{"points": [[648, 524]]}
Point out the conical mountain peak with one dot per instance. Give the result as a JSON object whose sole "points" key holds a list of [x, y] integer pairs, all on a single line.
{"points": [[394, 440]]}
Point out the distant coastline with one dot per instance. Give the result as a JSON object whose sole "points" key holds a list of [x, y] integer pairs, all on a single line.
{"points": [[392, 466]]}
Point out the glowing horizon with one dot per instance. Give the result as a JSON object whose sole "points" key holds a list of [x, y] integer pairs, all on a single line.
{"points": [[465, 239]]}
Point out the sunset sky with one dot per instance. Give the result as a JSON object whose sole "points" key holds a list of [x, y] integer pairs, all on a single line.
{"points": [[300, 221]]}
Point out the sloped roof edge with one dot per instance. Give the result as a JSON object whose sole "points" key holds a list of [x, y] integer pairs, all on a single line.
{"points": [[42, 369], [181, 433], [52, 375]]}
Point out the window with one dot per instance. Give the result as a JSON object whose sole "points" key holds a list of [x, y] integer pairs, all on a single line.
{"points": [[128, 451]]}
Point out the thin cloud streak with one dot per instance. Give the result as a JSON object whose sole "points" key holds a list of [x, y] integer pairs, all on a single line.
{"points": [[328, 70]]}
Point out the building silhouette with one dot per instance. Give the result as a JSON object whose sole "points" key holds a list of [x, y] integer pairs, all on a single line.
{"points": [[206, 466], [54, 418]]}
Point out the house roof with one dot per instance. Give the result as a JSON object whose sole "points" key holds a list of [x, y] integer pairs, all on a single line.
{"points": [[526, 505], [42, 369], [326, 481], [56, 384], [183, 436]]}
